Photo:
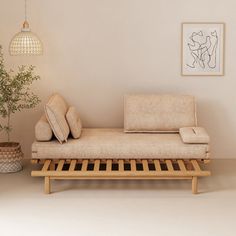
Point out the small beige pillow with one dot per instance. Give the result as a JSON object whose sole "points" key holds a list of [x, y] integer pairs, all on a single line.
{"points": [[194, 135], [55, 111], [43, 131], [74, 122]]}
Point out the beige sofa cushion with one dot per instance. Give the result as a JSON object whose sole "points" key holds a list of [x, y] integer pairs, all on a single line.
{"points": [[55, 111], [158, 113], [115, 144], [74, 122], [43, 131], [194, 135]]}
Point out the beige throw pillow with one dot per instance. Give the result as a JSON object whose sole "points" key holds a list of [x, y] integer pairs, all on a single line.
{"points": [[74, 122], [55, 111], [194, 135], [43, 131]]}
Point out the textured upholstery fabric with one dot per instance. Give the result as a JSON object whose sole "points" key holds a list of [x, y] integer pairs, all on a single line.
{"points": [[74, 122], [114, 143], [43, 131], [55, 111], [156, 113], [194, 135]]}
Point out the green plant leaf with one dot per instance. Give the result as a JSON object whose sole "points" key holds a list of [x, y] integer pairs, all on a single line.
{"points": [[15, 94]]}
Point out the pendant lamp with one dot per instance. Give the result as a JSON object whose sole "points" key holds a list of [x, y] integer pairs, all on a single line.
{"points": [[25, 42]]}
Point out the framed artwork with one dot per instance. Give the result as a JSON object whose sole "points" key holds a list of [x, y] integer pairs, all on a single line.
{"points": [[203, 49]]}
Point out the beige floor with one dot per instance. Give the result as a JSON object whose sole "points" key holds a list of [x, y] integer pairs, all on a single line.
{"points": [[121, 208]]}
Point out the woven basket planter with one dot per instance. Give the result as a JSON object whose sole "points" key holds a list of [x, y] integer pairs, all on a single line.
{"points": [[10, 157]]}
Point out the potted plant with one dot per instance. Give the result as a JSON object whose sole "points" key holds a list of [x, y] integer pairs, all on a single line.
{"points": [[15, 96]]}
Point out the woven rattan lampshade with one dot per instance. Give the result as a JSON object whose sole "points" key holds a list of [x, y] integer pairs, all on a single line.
{"points": [[25, 42]]}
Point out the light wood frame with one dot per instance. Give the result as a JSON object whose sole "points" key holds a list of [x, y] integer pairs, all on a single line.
{"points": [[120, 169], [223, 48]]}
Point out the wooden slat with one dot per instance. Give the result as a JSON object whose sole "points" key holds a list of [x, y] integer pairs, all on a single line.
{"points": [[195, 165], [84, 165], [60, 165], [181, 165], [109, 165], [169, 165], [121, 165], [145, 165], [72, 165], [96, 165], [133, 165], [46, 165], [157, 165], [52, 166], [34, 161]]}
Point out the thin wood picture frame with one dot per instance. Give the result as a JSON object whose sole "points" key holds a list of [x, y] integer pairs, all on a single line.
{"points": [[203, 48]]}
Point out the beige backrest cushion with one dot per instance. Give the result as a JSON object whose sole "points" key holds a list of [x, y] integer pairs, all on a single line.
{"points": [[158, 113], [74, 122], [55, 111], [43, 131]]}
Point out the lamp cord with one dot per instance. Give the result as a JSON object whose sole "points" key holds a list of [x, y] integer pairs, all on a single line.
{"points": [[25, 10]]}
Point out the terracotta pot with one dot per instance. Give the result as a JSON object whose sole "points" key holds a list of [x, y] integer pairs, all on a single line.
{"points": [[10, 157]]}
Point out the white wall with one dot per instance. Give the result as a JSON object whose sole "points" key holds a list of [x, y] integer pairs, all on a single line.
{"points": [[95, 51]]}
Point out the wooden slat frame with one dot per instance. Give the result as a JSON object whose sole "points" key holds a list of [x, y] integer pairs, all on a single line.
{"points": [[96, 165], [169, 165], [121, 165], [182, 166], [145, 165], [109, 166], [84, 165], [72, 165], [157, 165], [46, 165], [133, 165], [60, 165], [52, 165], [83, 173], [195, 165]]}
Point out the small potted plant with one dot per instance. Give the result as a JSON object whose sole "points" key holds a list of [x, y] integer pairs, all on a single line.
{"points": [[15, 96]]}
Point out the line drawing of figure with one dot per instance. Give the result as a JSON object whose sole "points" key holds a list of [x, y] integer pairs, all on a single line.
{"points": [[203, 50]]}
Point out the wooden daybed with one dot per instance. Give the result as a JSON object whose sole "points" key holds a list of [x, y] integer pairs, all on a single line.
{"points": [[160, 140]]}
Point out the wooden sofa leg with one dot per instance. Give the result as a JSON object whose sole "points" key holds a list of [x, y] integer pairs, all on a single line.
{"points": [[47, 185], [194, 185]]}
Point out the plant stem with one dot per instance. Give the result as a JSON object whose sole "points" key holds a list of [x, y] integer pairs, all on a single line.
{"points": [[8, 125]]}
